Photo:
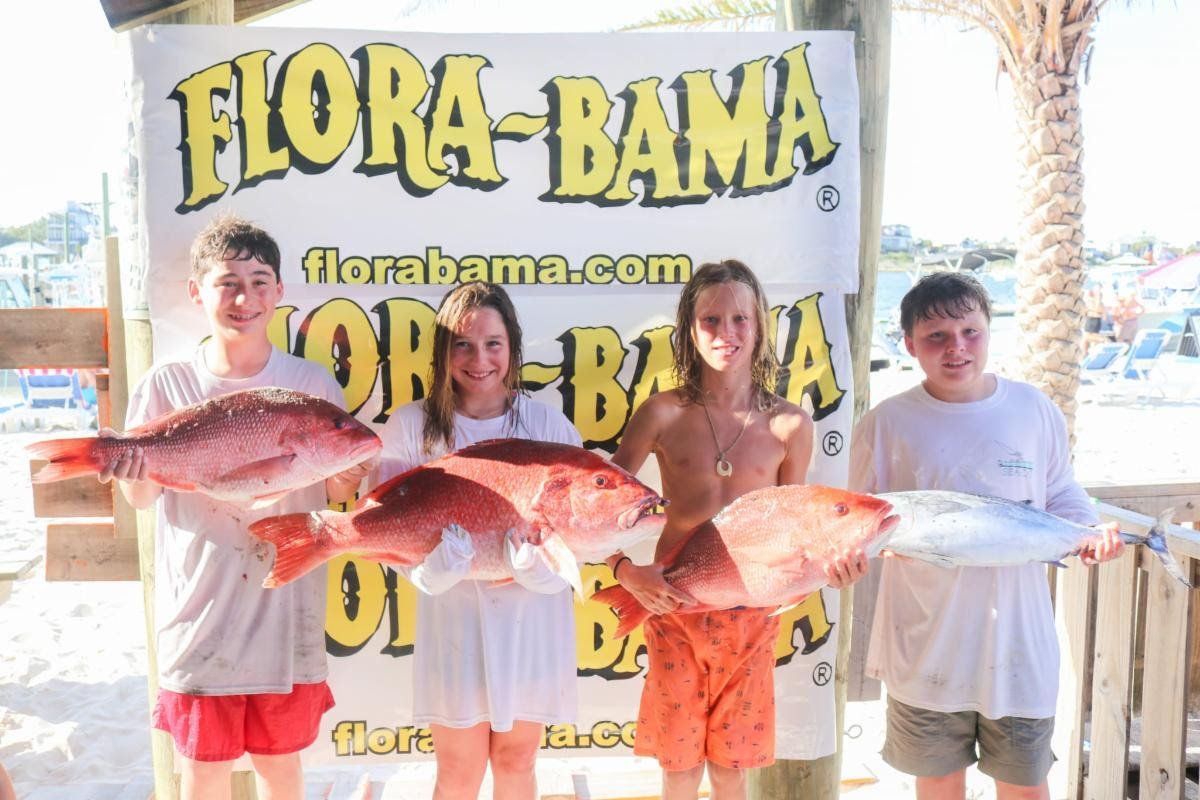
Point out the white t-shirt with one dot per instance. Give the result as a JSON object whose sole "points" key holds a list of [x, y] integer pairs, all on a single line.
{"points": [[968, 638], [483, 652], [218, 631]]}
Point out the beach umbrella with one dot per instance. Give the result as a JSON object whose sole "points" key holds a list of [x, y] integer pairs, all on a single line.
{"points": [[1183, 273]]}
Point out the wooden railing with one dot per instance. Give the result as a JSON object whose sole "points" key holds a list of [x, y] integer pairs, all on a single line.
{"points": [[1127, 630]]}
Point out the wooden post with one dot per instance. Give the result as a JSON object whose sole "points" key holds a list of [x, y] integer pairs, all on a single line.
{"points": [[871, 22]]}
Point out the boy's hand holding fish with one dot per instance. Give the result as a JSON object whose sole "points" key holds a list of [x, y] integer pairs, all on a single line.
{"points": [[1107, 547]]}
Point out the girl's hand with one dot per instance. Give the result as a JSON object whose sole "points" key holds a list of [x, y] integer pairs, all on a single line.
{"points": [[648, 587], [1106, 548], [130, 466], [848, 568]]}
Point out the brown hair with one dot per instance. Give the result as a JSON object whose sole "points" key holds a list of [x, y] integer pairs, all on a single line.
{"points": [[229, 237], [764, 367], [943, 294], [453, 311]]}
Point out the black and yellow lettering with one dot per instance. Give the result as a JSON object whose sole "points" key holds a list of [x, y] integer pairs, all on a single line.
{"points": [[405, 351], [202, 136], [799, 117], [811, 619], [807, 363], [655, 370], [592, 397], [259, 126], [318, 104], [646, 150], [513, 269], [582, 157], [339, 335], [459, 123], [552, 270], [597, 649], [355, 600]]}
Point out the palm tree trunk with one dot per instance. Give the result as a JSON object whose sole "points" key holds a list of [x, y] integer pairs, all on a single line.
{"points": [[1050, 264]]}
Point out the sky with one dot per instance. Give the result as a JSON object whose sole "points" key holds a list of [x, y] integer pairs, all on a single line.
{"points": [[951, 150]]}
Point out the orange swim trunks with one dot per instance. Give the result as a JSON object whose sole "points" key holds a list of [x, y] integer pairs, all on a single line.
{"points": [[710, 689]]}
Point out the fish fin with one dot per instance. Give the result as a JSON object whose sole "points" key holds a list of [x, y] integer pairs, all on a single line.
{"points": [[562, 561], [266, 470], [788, 606], [1156, 540], [500, 582], [264, 500], [296, 549], [69, 458], [174, 483], [630, 613], [1056, 563]]}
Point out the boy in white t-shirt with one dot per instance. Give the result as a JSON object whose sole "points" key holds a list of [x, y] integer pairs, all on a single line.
{"points": [[241, 668], [968, 654]]}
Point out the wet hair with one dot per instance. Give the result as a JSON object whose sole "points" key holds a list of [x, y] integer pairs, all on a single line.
{"points": [[229, 237], [943, 294], [451, 314], [764, 366]]}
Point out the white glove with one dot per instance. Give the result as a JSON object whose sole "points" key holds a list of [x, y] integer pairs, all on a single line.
{"points": [[446, 564], [529, 565]]}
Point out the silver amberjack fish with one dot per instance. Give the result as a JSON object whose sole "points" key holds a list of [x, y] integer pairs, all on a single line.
{"points": [[960, 529]]}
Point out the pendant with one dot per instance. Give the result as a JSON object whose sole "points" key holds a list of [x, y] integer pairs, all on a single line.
{"points": [[724, 468]]}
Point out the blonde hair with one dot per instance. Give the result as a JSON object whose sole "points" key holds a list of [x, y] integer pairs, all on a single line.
{"points": [[764, 366], [451, 314]]}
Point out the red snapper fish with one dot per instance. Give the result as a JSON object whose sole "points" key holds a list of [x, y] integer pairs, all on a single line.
{"points": [[249, 447], [767, 548], [573, 505]]}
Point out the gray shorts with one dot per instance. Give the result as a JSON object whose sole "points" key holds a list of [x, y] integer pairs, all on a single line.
{"points": [[930, 744]]}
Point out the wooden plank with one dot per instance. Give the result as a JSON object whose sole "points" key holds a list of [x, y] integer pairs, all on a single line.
{"points": [[125, 14], [53, 338], [860, 687], [1152, 499], [15, 569], [246, 11], [77, 497], [1116, 592], [1164, 705], [1075, 606], [89, 552]]}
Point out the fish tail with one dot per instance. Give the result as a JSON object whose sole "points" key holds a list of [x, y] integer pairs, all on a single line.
{"points": [[298, 545], [630, 613], [69, 458], [1156, 540]]}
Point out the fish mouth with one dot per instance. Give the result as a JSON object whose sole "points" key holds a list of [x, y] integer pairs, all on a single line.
{"points": [[366, 447], [645, 508], [888, 524]]}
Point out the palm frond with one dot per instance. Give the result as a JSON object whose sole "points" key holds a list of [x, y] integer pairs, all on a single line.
{"points": [[714, 12]]}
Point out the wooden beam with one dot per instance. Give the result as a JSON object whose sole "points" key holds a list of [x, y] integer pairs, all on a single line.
{"points": [[78, 497], [89, 552], [53, 338], [126, 14], [245, 11], [1112, 684], [1152, 499], [1164, 700]]}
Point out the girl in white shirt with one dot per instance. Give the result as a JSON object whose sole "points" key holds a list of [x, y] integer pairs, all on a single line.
{"points": [[492, 664]]}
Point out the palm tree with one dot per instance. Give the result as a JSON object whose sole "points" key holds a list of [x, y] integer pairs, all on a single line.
{"points": [[1042, 46]]}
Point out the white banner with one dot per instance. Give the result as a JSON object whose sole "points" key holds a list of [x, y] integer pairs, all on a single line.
{"points": [[590, 175]]}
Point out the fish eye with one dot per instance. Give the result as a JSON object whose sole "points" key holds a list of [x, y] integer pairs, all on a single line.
{"points": [[601, 481], [842, 509], [339, 423]]}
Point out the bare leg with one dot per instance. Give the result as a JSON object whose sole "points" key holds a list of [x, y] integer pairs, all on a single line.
{"points": [[513, 755], [727, 783], [204, 780], [7, 792], [278, 777], [1011, 791], [462, 755], [682, 784], [943, 787]]}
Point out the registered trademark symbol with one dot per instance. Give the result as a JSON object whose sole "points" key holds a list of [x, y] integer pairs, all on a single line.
{"points": [[822, 673], [832, 443], [828, 198]]}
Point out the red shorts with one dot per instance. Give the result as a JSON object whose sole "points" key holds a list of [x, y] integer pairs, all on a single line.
{"points": [[222, 727], [710, 689]]}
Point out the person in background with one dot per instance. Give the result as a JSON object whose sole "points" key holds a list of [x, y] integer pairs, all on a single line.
{"points": [[1126, 313], [1093, 320]]}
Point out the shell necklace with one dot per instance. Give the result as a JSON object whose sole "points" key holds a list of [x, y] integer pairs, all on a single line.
{"points": [[724, 468]]}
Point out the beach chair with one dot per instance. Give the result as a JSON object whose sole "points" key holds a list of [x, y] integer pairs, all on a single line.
{"points": [[50, 388], [1148, 346], [1102, 363]]}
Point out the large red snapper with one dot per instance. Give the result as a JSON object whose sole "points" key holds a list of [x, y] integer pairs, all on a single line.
{"points": [[252, 446], [573, 504], [767, 548]]}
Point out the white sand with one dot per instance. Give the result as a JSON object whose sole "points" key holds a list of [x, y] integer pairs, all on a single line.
{"points": [[73, 703]]}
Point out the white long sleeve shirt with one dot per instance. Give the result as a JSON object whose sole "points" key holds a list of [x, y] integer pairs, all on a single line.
{"points": [[968, 638]]}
